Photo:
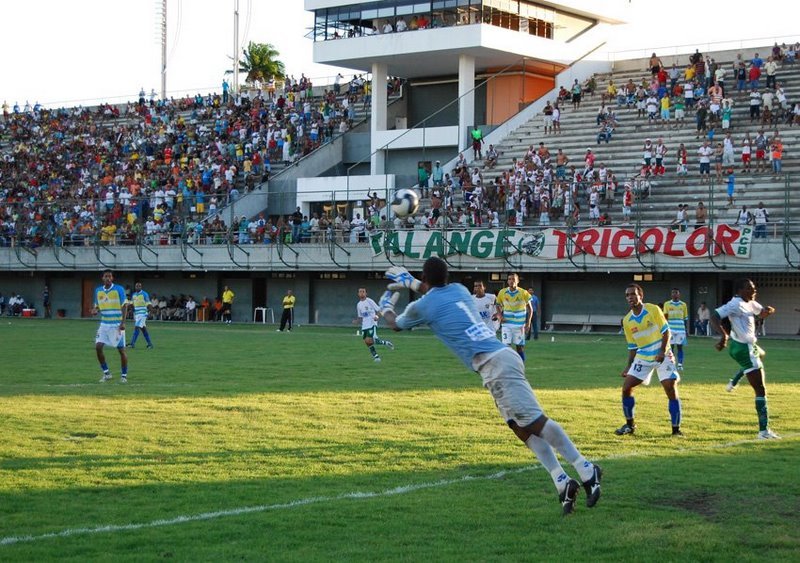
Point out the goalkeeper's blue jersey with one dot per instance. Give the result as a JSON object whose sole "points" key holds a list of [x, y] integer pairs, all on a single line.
{"points": [[451, 313]]}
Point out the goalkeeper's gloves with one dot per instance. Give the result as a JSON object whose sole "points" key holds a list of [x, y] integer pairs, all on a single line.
{"points": [[388, 302], [402, 279]]}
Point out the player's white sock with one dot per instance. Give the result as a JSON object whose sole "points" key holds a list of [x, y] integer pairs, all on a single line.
{"points": [[553, 434], [547, 457]]}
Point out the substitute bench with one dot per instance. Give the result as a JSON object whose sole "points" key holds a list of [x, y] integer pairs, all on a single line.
{"points": [[603, 321], [558, 319]]}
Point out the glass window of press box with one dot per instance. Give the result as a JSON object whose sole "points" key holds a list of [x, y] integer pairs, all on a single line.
{"points": [[519, 15]]}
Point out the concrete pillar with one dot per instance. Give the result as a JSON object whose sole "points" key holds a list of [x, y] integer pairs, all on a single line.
{"points": [[466, 99], [378, 120]]}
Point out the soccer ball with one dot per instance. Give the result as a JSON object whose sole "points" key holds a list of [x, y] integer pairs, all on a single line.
{"points": [[405, 202]]}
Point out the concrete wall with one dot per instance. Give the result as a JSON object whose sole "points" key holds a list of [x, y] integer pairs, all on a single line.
{"points": [[332, 302]]}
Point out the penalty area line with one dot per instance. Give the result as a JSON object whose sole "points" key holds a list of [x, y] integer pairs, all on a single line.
{"points": [[401, 490]]}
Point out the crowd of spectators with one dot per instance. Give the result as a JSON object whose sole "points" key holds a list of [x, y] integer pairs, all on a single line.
{"points": [[545, 187], [156, 171], [542, 188]]}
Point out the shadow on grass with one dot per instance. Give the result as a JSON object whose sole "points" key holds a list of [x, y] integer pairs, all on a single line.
{"points": [[192, 360], [739, 502]]}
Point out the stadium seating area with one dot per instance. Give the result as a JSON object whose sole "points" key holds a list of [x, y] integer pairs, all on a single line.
{"points": [[523, 179], [156, 171]]}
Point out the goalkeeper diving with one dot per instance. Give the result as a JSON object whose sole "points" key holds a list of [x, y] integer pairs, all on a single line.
{"points": [[450, 311]]}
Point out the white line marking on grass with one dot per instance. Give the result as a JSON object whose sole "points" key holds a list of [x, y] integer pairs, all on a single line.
{"points": [[401, 490]]}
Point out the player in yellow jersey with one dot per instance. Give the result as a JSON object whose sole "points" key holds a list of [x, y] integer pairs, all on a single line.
{"points": [[677, 314], [515, 310], [112, 305], [648, 335]]}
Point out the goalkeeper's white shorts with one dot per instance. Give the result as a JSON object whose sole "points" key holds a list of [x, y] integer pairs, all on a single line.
{"points": [[503, 375]]}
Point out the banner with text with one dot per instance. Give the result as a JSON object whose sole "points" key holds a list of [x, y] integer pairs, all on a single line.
{"points": [[558, 244]]}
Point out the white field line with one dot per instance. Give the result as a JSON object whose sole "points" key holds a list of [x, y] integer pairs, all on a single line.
{"points": [[404, 489]]}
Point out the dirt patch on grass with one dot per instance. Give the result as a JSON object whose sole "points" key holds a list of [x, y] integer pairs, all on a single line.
{"points": [[704, 503]]}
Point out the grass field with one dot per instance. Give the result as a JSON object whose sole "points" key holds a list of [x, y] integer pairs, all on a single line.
{"points": [[240, 443]]}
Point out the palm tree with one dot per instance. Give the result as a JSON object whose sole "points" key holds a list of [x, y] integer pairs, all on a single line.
{"points": [[259, 61]]}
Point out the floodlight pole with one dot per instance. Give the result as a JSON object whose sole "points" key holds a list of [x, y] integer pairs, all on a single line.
{"points": [[163, 49], [235, 47]]}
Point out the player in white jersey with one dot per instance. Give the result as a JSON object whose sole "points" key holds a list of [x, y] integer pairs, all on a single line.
{"points": [[486, 305], [453, 316], [742, 312], [369, 313]]}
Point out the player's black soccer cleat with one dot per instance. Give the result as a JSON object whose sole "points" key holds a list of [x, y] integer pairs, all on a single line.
{"points": [[568, 496], [625, 429], [592, 487]]}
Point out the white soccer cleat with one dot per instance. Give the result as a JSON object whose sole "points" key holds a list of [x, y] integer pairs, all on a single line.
{"points": [[377, 359], [106, 377], [730, 386], [768, 435], [123, 379], [388, 344]]}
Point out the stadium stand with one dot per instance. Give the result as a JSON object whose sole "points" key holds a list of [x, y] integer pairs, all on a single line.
{"points": [[478, 192], [158, 172]]}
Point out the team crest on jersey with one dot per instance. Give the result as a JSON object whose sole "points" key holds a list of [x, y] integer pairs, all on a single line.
{"points": [[532, 244]]}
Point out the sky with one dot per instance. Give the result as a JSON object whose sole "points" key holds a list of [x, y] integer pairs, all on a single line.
{"points": [[65, 53]]}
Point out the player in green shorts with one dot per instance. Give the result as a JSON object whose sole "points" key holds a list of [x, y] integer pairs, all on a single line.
{"points": [[742, 312], [368, 314]]}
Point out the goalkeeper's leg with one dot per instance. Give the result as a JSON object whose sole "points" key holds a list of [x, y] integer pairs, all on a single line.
{"points": [[552, 433], [547, 457]]}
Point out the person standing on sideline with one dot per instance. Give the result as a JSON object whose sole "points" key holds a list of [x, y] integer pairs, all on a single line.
{"points": [[287, 317], [368, 314], [46, 302], [453, 317], [742, 311], [514, 308], [110, 302], [533, 329], [227, 303], [677, 313], [141, 302], [487, 305], [703, 317], [648, 334]]}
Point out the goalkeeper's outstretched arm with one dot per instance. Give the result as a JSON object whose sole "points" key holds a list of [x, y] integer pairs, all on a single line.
{"points": [[389, 317]]}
